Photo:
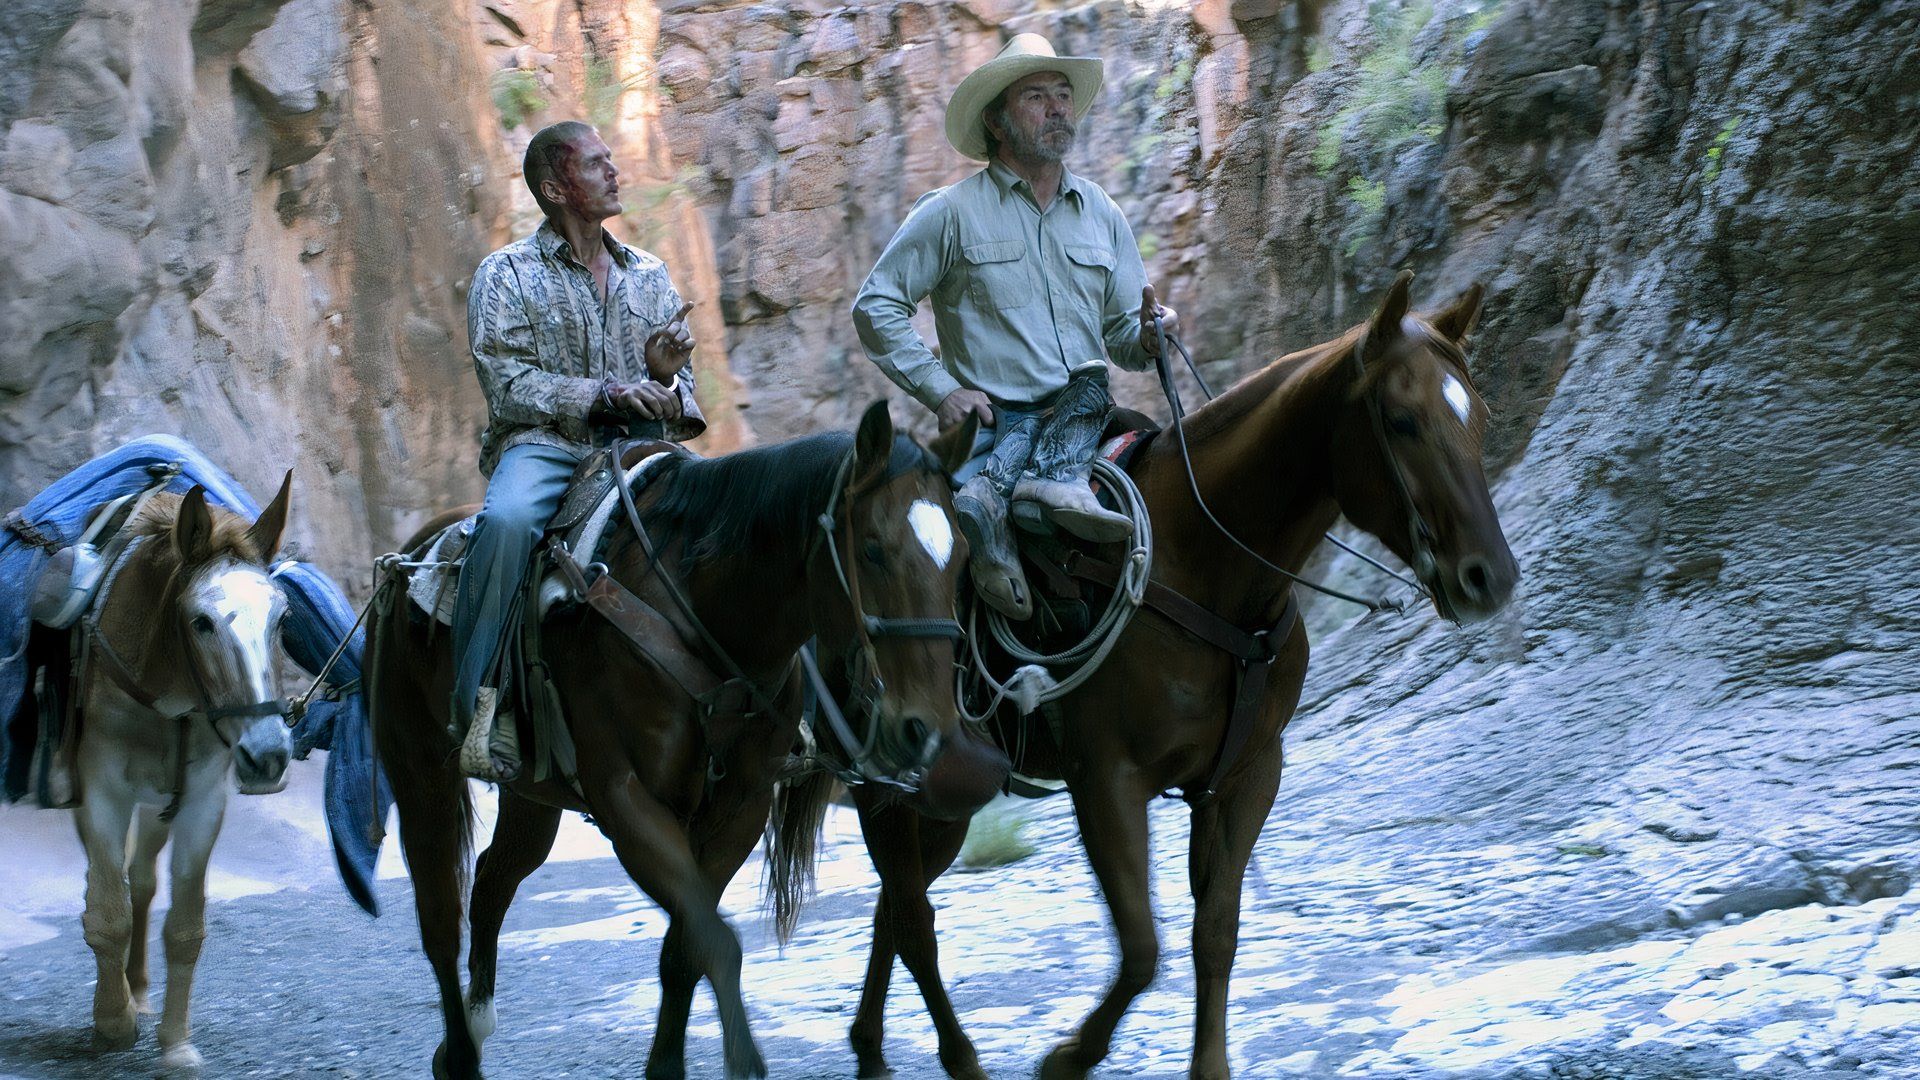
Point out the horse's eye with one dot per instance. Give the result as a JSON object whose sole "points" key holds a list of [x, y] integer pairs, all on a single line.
{"points": [[1403, 424], [202, 624], [873, 553]]}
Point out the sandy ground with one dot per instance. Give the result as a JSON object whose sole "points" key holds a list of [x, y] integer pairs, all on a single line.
{"points": [[1369, 967]]}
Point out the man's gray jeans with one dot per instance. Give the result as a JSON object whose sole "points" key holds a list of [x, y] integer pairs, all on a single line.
{"points": [[1053, 441], [522, 497]]}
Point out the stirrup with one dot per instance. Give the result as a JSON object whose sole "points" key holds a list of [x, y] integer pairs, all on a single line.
{"points": [[491, 749]]}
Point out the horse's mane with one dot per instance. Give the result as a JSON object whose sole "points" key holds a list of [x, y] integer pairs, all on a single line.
{"points": [[753, 501], [1240, 399], [230, 531], [1253, 390]]}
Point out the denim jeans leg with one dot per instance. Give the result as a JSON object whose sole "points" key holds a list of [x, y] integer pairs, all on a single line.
{"points": [[522, 496], [1014, 431], [1064, 446]]}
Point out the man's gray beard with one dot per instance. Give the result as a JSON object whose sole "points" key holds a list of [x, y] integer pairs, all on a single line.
{"points": [[1036, 149]]}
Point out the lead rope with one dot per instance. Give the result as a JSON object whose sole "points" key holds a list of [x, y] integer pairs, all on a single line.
{"points": [[1193, 484]]}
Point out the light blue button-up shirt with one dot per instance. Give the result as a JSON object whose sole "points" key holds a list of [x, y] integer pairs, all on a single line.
{"points": [[1021, 296]]}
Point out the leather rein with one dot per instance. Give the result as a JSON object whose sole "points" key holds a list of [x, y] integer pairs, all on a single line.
{"points": [[1254, 652], [645, 628]]}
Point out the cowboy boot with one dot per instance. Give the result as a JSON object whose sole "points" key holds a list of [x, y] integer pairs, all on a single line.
{"points": [[1063, 459], [993, 563]]}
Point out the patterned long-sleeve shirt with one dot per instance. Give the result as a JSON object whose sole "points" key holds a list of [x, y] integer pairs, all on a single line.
{"points": [[1021, 296], [545, 345]]}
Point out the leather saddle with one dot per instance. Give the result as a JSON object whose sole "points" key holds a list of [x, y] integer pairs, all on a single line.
{"points": [[581, 524]]}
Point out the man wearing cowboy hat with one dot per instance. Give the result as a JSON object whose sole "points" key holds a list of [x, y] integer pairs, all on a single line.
{"points": [[1036, 281]]}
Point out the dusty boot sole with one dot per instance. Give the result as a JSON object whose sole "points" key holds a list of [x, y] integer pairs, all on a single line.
{"points": [[1098, 528]]}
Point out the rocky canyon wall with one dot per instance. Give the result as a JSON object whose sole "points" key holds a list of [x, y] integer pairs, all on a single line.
{"points": [[248, 223]]}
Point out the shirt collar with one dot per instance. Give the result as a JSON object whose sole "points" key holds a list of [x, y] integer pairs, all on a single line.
{"points": [[548, 241], [1009, 182]]}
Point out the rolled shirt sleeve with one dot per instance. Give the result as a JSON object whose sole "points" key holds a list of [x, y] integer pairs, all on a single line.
{"points": [[914, 261], [517, 389]]}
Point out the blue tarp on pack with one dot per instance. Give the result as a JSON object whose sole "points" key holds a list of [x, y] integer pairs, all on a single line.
{"points": [[318, 616]]}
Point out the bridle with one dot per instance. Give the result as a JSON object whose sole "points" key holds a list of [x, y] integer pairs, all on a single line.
{"points": [[1422, 535], [94, 641], [1419, 534], [863, 665]]}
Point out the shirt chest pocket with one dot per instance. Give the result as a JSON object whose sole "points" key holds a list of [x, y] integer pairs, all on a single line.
{"points": [[1091, 268], [999, 275]]}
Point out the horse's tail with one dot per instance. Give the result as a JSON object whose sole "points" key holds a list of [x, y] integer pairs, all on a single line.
{"points": [[793, 838]]}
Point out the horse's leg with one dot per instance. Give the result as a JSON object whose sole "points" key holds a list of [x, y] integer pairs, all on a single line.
{"points": [[433, 825], [522, 838], [868, 1034], [725, 844], [185, 929], [909, 852], [149, 836], [1112, 813], [108, 921], [655, 851], [1224, 832]]}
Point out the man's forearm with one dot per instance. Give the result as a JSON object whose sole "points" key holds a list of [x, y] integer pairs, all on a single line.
{"points": [[896, 349]]}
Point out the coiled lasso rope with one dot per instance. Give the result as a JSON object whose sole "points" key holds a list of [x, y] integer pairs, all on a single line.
{"points": [[1034, 683]]}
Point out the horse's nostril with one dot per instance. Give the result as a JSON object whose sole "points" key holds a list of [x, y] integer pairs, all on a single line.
{"points": [[1475, 577]]}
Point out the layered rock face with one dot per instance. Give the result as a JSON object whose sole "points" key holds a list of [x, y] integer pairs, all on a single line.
{"points": [[245, 223]]}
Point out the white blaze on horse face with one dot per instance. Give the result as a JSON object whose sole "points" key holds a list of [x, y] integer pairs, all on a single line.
{"points": [[933, 530], [242, 600], [1456, 394]]}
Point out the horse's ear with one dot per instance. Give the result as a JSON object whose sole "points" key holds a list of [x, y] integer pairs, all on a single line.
{"points": [[872, 443], [266, 530], [954, 446], [193, 528], [1385, 326], [1460, 317]]}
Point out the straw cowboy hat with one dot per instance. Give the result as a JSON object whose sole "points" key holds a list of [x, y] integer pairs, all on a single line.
{"points": [[1024, 55]]}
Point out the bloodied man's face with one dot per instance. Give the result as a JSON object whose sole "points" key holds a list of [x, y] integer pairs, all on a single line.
{"points": [[585, 178]]}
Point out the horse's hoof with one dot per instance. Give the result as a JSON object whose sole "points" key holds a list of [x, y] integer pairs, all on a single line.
{"points": [[666, 1070], [181, 1059], [969, 1072], [142, 1004], [118, 1033], [1060, 1065], [876, 1070], [441, 1072]]}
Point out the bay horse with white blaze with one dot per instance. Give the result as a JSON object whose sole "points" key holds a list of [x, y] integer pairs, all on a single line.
{"points": [[177, 699], [1382, 425], [847, 539]]}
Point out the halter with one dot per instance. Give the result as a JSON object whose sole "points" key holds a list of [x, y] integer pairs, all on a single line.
{"points": [[121, 674], [863, 665]]}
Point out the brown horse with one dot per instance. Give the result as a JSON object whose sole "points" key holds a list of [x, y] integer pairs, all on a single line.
{"points": [[843, 538], [1382, 425]]}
